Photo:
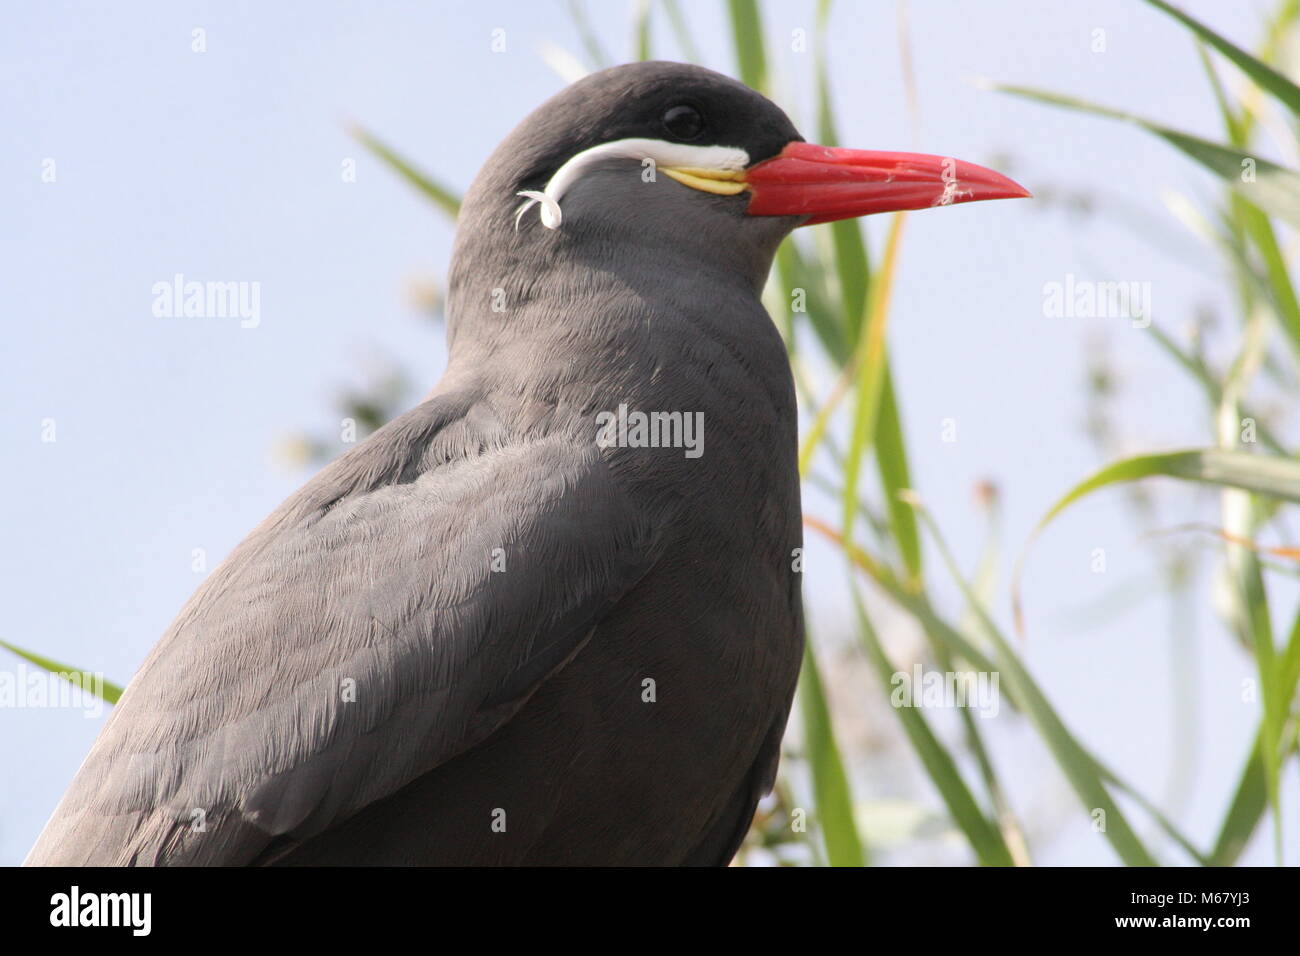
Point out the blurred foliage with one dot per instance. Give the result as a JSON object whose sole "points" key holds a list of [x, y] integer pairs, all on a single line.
{"points": [[1243, 233]]}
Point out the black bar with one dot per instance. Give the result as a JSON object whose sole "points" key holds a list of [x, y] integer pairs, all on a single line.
{"points": [[330, 905]]}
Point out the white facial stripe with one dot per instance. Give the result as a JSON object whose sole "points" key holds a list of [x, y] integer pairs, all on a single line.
{"points": [[664, 153]]}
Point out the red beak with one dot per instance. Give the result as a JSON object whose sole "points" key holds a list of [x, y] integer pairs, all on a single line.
{"points": [[827, 183]]}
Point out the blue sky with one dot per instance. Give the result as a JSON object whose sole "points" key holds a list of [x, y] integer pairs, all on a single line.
{"points": [[226, 165]]}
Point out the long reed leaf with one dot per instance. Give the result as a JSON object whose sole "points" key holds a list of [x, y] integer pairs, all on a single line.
{"points": [[830, 783], [984, 837], [1079, 767], [747, 38], [1263, 74], [442, 197], [106, 690], [1273, 188]]}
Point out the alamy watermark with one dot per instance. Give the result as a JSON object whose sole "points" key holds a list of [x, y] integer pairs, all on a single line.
{"points": [[636, 429], [33, 687], [128, 910], [179, 299], [1086, 299], [978, 690]]}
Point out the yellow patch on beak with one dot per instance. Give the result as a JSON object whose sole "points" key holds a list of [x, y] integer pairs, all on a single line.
{"points": [[722, 182]]}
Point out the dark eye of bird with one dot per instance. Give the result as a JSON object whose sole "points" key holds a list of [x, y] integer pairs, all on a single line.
{"points": [[683, 122]]}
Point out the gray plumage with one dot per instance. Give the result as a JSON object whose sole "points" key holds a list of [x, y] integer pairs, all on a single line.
{"points": [[484, 695]]}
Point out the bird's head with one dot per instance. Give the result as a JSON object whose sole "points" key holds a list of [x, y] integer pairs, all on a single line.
{"points": [[656, 169], [668, 145]]}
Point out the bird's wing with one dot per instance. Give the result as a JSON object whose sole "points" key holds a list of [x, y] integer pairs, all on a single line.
{"points": [[393, 613]]}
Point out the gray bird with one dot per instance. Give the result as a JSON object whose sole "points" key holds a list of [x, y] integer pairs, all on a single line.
{"points": [[550, 615]]}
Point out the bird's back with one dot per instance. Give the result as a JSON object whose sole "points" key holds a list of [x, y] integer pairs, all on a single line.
{"points": [[480, 637]]}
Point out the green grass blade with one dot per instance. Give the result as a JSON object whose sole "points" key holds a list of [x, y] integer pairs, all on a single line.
{"points": [[895, 477], [1197, 368], [823, 14], [829, 781], [747, 36], [1246, 219], [1271, 475], [1078, 765], [795, 272], [851, 274], [869, 360], [958, 645], [107, 691], [1266, 474], [852, 266], [1253, 794], [1276, 189], [1251, 601], [1245, 811], [1232, 125], [1263, 74], [909, 599], [985, 838], [442, 197], [641, 31], [1153, 811], [1249, 595], [1281, 291], [817, 430]]}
